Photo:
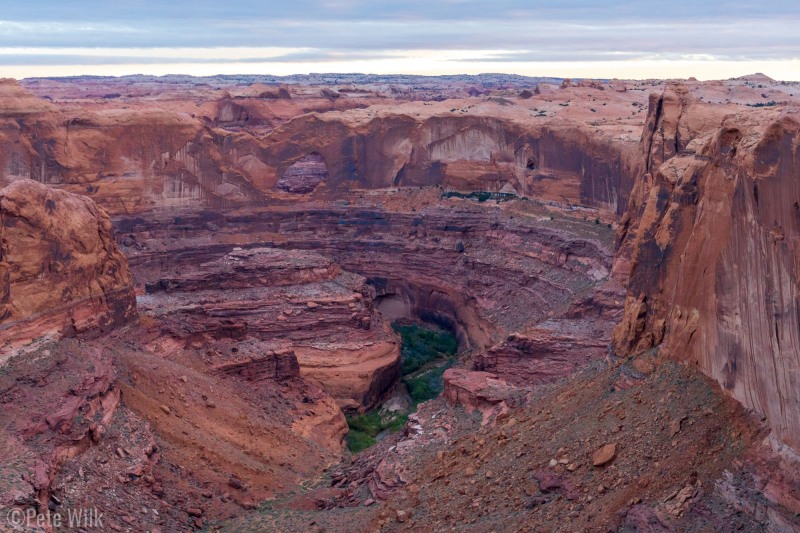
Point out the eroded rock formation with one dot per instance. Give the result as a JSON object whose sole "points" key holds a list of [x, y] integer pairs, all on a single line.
{"points": [[479, 391], [273, 233], [237, 150], [714, 251], [300, 300], [62, 272], [367, 150]]}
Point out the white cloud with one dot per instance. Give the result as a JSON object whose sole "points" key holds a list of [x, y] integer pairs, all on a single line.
{"points": [[569, 38]]}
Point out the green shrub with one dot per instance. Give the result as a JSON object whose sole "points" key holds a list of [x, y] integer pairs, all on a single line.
{"points": [[365, 428], [358, 441], [480, 196], [422, 345], [429, 385], [369, 423], [397, 423]]}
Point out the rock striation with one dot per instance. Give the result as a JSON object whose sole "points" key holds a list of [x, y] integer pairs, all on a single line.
{"points": [[305, 175], [713, 250], [526, 256], [468, 153], [306, 315], [216, 150], [62, 272], [561, 345]]}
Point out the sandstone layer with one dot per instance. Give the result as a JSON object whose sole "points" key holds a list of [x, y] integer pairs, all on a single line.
{"points": [[466, 266], [62, 272], [298, 300]]}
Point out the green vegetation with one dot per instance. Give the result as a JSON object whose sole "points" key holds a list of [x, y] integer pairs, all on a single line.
{"points": [[369, 424], [481, 196], [764, 104], [358, 441], [423, 345], [364, 428], [422, 348], [429, 385]]}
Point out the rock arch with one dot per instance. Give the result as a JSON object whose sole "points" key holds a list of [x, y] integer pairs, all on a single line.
{"points": [[304, 175]]}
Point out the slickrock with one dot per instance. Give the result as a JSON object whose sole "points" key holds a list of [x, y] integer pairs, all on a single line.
{"points": [[62, 272]]}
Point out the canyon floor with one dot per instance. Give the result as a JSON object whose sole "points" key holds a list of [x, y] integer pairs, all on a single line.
{"points": [[204, 278]]}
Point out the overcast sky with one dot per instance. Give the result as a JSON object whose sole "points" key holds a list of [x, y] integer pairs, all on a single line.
{"points": [[575, 38]]}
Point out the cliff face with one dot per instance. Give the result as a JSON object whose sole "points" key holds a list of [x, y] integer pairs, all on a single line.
{"points": [[61, 270], [713, 249], [213, 152], [552, 161]]}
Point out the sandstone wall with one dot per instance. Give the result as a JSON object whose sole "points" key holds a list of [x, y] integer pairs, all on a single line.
{"points": [[713, 250], [132, 160], [565, 162]]}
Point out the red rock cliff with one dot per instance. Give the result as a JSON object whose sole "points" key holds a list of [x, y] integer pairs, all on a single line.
{"points": [[713, 240], [60, 269], [134, 159]]}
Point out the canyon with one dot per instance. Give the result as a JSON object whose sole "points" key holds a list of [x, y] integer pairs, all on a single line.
{"points": [[201, 277]]}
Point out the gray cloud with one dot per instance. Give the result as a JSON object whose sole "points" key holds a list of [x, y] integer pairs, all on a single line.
{"points": [[576, 10], [49, 59], [569, 30]]}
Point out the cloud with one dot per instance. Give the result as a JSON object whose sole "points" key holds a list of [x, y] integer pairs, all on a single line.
{"points": [[515, 32]]}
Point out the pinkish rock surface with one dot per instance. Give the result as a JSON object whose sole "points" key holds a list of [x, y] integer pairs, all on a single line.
{"points": [[61, 271]]}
